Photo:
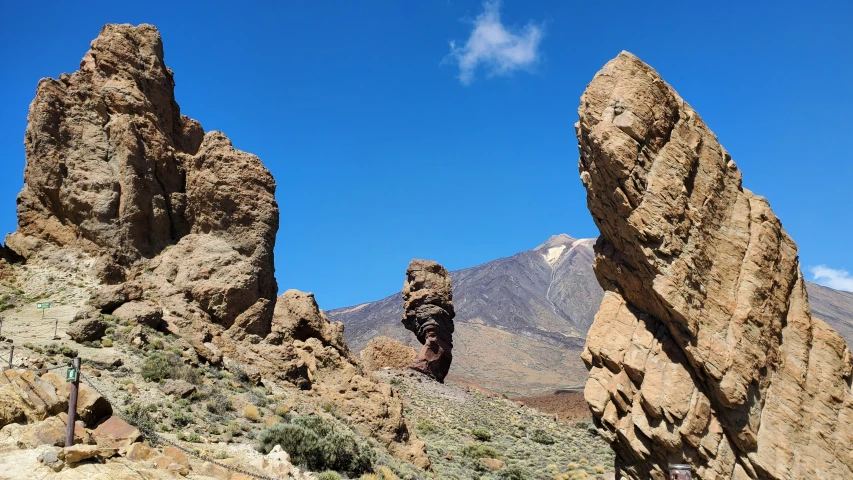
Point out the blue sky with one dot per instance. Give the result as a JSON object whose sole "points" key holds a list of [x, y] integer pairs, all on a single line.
{"points": [[389, 142]]}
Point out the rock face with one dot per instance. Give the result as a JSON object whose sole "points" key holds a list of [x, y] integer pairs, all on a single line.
{"points": [[122, 186], [384, 352], [704, 350], [177, 227], [428, 313]]}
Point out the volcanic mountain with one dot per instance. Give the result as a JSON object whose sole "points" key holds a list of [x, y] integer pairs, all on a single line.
{"points": [[521, 321]]}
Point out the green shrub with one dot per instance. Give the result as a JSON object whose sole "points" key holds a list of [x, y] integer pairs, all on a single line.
{"points": [[219, 404], [329, 475], [482, 434], [541, 436], [513, 473], [156, 367], [319, 445], [427, 426], [477, 450], [106, 342]]}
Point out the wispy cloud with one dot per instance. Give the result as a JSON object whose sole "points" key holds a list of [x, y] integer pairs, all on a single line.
{"points": [[832, 278], [498, 49]]}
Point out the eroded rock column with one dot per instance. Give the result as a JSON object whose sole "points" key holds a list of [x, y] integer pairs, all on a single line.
{"points": [[428, 313]]}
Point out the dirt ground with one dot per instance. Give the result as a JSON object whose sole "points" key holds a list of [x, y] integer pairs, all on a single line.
{"points": [[568, 406]]}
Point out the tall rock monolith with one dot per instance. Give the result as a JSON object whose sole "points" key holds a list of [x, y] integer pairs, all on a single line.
{"points": [[428, 313], [703, 350]]}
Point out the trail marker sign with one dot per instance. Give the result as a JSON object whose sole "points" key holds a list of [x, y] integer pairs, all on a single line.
{"points": [[43, 305], [71, 375]]}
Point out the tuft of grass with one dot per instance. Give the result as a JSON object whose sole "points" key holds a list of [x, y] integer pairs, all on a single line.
{"points": [[251, 413]]}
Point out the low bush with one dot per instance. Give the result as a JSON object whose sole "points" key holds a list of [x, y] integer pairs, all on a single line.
{"points": [[329, 475], [427, 426], [319, 445], [476, 450], [156, 368], [218, 404], [513, 473], [543, 437], [252, 413], [482, 434]]}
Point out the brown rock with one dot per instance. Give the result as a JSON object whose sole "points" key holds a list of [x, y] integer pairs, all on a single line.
{"points": [[703, 351], [384, 352], [116, 433], [144, 312], [139, 452], [92, 408], [108, 298], [87, 330], [492, 464], [178, 388], [78, 453], [428, 312]]}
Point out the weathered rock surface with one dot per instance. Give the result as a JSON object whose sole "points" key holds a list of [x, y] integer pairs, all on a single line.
{"points": [[178, 227], [87, 330], [384, 352], [428, 313], [703, 350], [118, 184], [145, 313]]}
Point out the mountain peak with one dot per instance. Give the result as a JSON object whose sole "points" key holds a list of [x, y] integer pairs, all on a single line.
{"points": [[561, 239]]}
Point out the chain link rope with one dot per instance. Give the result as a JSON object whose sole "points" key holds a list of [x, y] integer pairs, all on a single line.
{"points": [[157, 438]]}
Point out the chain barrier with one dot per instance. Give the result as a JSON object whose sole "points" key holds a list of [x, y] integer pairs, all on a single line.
{"points": [[157, 438]]}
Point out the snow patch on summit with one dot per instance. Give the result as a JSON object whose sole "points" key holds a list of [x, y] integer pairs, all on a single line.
{"points": [[553, 254]]}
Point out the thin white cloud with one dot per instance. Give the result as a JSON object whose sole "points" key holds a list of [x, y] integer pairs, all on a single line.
{"points": [[499, 50], [832, 278]]}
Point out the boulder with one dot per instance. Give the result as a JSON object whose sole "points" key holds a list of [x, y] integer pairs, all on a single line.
{"points": [[78, 453], [178, 388], [116, 433], [384, 352], [144, 312], [87, 330], [704, 351], [92, 408], [108, 298], [428, 313]]}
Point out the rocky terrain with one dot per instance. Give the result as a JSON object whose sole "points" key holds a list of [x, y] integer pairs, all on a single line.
{"points": [[471, 434], [133, 219], [704, 350], [506, 306]]}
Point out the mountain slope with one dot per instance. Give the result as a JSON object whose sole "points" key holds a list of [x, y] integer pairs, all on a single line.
{"points": [[521, 321]]}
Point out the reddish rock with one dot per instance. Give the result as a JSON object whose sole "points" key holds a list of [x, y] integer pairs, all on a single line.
{"points": [[428, 312], [116, 433]]}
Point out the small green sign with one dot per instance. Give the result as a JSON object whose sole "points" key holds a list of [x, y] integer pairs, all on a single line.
{"points": [[42, 306], [71, 374]]}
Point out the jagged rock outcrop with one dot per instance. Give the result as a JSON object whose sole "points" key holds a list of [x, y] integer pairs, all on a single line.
{"points": [[384, 352], [428, 313], [120, 185], [703, 350], [178, 227]]}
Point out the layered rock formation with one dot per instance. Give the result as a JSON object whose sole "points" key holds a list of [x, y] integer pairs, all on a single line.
{"points": [[703, 350], [178, 227], [428, 313]]}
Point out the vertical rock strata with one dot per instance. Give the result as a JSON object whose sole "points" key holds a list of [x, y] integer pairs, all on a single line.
{"points": [[428, 313], [121, 188], [703, 350]]}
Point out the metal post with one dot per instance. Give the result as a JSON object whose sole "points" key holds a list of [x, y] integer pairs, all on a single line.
{"points": [[55, 328], [11, 352], [1, 326], [72, 404]]}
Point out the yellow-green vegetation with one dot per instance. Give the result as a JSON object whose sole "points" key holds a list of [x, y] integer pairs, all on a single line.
{"points": [[462, 426], [251, 413]]}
